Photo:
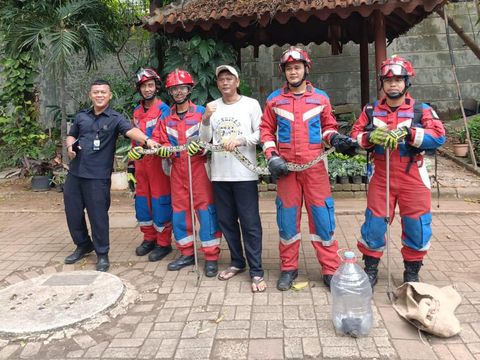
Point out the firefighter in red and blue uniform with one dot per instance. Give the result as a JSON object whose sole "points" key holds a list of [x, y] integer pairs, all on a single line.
{"points": [[152, 199], [408, 128], [296, 123], [181, 127]]}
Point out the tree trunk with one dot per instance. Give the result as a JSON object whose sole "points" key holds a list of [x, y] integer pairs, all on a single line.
{"points": [[458, 29], [63, 111]]}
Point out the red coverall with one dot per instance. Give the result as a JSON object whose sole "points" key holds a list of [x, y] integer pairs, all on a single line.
{"points": [[152, 201], [172, 132], [295, 127], [409, 180]]}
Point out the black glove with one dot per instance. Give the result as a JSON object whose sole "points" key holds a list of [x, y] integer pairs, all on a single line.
{"points": [[341, 143], [277, 166], [132, 181]]}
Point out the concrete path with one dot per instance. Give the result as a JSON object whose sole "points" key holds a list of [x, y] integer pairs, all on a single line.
{"points": [[172, 318]]}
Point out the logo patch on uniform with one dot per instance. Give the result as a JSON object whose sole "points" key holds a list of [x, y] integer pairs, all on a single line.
{"points": [[313, 101], [282, 102], [404, 114]]}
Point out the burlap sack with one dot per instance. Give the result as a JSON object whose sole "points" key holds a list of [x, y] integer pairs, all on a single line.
{"points": [[429, 308]]}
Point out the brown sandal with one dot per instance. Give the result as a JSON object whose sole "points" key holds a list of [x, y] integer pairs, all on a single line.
{"points": [[258, 284], [229, 272]]}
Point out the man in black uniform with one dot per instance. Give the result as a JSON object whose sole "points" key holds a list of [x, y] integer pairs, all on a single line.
{"points": [[91, 146]]}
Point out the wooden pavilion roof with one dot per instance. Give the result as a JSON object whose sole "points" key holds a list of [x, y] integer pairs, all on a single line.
{"points": [[269, 22]]}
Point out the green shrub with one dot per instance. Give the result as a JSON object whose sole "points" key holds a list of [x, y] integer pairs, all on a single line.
{"points": [[474, 130], [20, 133]]}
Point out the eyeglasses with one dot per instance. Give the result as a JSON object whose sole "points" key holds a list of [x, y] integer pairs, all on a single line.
{"points": [[294, 54], [394, 69], [179, 89]]}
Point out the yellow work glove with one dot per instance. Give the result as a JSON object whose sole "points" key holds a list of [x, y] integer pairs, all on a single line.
{"points": [[193, 148], [378, 136], [135, 153], [163, 152], [396, 136]]}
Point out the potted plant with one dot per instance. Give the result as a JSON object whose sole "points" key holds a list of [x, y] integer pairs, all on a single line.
{"points": [[342, 175], [58, 179], [119, 175], [460, 147], [355, 171], [332, 165], [40, 172]]}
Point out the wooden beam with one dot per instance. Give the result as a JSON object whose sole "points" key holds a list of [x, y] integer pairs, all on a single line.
{"points": [[364, 72], [458, 29], [380, 45]]}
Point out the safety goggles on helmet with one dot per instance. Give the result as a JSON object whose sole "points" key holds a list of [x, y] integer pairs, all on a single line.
{"points": [[295, 54], [144, 75], [390, 70], [292, 55], [396, 66]]}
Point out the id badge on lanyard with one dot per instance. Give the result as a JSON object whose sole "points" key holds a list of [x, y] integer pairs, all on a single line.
{"points": [[96, 143]]}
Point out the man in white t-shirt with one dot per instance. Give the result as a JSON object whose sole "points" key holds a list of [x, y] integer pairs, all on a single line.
{"points": [[234, 120]]}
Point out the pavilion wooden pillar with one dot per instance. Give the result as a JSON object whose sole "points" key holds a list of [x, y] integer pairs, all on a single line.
{"points": [[364, 71], [380, 44]]}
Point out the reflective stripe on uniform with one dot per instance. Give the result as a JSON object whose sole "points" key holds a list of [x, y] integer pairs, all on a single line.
{"points": [[315, 237], [419, 134], [312, 112], [290, 241], [284, 113]]}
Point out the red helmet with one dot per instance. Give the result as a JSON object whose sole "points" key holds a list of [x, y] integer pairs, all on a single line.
{"points": [[396, 66], [295, 54], [179, 77], [143, 75]]}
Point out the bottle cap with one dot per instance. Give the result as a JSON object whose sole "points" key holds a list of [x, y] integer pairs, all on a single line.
{"points": [[349, 255]]}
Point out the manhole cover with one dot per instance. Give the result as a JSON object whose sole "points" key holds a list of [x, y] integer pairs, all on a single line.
{"points": [[54, 301]]}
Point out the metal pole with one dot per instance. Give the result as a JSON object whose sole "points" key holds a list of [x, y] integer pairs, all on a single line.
{"points": [[459, 93], [387, 220], [192, 211]]}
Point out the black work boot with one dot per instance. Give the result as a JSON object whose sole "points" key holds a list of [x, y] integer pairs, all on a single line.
{"points": [[103, 264], [327, 279], [145, 247], [286, 279], [79, 253], [412, 269], [159, 253], [371, 268], [181, 262], [211, 268]]}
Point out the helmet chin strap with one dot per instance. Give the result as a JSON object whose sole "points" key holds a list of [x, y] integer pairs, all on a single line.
{"points": [[185, 99], [298, 83], [148, 98], [396, 94]]}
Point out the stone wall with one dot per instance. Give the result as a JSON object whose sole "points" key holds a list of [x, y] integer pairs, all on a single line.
{"points": [[79, 79], [339, 75], [425, 45]]}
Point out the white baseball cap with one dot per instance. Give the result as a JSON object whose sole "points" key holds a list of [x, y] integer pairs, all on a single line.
{"points": [[228, 68]]}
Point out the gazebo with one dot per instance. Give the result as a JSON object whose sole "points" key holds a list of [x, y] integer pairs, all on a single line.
{"points": [[245, 23]]}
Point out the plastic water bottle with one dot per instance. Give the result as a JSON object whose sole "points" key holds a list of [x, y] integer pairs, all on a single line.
{"points": [[351, 298]]}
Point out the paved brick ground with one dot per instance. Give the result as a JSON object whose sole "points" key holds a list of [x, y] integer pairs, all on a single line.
{"points": [[172, 318]]}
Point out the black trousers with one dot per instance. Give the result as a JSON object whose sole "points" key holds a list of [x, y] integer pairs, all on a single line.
{"points": [[94, 195], [238, 201]]}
